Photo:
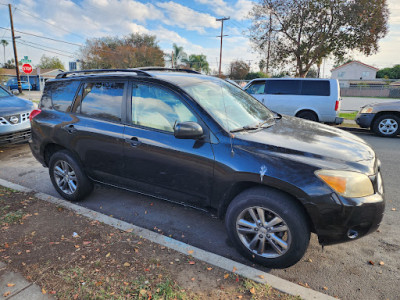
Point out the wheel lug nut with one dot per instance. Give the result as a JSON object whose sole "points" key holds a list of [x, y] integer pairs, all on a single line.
{"points": [[256, 229], [260, 236]]}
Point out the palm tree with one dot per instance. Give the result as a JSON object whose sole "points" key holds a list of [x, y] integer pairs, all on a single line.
{"points": [[177, 57], [4, 43], [199, 63]]}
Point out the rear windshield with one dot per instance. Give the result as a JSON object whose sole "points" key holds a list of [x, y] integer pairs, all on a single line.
{"points": [[62, 94], [298, 87]]}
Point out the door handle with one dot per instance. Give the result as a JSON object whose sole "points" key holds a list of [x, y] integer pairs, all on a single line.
{"points": [[70, 128], [134, 141]]}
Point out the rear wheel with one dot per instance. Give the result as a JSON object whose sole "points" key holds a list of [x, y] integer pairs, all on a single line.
{"points": [[387, 125], [68, 177], [268, 227], [308, 115]]}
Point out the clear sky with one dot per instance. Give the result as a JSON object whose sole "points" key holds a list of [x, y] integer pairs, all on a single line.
{"points": [[190, 24]]}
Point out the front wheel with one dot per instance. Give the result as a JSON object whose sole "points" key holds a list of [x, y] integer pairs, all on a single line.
{"points": [[68, 177], [387, 125], [268, 227]]}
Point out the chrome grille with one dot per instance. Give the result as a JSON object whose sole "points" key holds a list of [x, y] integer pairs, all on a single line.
{"points": [[5, 120]]}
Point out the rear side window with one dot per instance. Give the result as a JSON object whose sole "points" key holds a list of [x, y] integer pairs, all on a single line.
{"points": [[101, 100], [62, 94], [283, 87], [256, 88], [316, 88]]}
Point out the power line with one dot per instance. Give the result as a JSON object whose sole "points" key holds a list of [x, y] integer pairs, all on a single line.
{"points": [[47, 38], [22, 43], [70, 32]]}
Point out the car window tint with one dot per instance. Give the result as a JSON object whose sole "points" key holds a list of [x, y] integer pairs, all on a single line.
{"points": [[283, 87], [315, 88], [158, 108], [62, 94], [101, 100], [256, 88]]}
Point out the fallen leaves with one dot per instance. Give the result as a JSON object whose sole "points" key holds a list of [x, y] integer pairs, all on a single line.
{"points": [[191, 262], [226, 275], [10, 284], [371, 262], [252, 291], [127, 264], [6, 294], [261, 276], [381, 263], [190, 252], [108, 254]]}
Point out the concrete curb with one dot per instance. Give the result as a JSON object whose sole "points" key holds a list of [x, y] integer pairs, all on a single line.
{"points": [[208, 257]]}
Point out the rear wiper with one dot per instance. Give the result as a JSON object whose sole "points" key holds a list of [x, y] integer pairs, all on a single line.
{"points": [[245, 128]]}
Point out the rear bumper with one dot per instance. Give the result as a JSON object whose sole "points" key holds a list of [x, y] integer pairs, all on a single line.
{"points": [[364, 120], [338, 121]]}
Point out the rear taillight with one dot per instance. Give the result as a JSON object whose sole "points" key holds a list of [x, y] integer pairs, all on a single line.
{"points": [[337, 105], [34, 113]]}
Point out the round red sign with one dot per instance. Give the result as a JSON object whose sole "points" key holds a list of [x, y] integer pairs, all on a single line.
{"points": [[27, 68]]}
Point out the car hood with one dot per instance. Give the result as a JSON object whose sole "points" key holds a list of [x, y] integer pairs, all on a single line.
{"points": [[12, 105], [311, 143], [395, 105]]}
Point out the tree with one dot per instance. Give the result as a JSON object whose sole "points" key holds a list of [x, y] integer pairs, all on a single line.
{"points": [[198, 62], [303, 32], [254, 75], [238, 69], [47, 62], [4, 43], [389, 73], [177, 57], [132, 51], [10, 64]]}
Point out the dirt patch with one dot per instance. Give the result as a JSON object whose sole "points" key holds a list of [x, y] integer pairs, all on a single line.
{"points": [[72, 257]]}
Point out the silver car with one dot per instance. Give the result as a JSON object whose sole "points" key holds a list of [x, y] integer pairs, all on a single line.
{"points": [[14, 118], [382, 118]]}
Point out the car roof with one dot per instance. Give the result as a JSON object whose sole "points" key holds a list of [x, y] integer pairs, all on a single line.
{"points": [[180, 77]]}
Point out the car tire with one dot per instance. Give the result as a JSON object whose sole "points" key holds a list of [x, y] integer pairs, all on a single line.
{"points": [[68, 177], [308, 115], [279, 245], [387, 125]]}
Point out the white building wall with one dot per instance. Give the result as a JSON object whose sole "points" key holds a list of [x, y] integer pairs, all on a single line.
{"points": [[354, 71]]}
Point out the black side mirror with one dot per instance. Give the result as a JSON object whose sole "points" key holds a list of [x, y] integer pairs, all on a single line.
{"points": [[188, 130]]}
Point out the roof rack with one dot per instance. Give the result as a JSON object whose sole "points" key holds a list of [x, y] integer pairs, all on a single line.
{"points": [[137, 71], [167, 69]]}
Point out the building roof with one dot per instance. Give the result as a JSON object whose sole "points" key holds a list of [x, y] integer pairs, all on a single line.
{"points": [[355, 61], [43, 72]]}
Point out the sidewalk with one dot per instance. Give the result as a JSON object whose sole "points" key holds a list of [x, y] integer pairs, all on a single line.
{"points": [[72, 256], [14, 286]]}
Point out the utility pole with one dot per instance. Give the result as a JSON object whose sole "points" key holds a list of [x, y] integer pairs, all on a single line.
{"points": [[222, 35], [15, 50]]}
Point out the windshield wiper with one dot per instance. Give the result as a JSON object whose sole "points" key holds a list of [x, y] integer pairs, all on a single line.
{"points": [[245, 128]]}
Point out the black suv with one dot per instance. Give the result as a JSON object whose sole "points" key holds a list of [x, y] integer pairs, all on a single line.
{"points": [[199, 140]]}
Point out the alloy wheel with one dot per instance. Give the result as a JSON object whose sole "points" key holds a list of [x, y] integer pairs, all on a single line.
{"points": [[388, 126], [263, 232], [65, 177]]}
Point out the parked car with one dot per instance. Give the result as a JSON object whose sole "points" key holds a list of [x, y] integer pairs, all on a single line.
{"points": [[382, 118], [13, 85], [312, 99], [199, 140], [14, 118]]}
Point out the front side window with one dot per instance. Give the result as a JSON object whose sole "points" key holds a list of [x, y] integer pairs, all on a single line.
{"points": [[256, 88], [101, 100], [63, 93], [283, 87], [157, 108]]}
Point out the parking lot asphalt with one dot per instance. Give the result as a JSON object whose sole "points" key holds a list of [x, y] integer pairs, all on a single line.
{"points": [[349, 271]]}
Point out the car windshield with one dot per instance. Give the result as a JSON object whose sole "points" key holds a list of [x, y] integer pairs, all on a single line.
{"points": [[3, 93], [229, 105]]}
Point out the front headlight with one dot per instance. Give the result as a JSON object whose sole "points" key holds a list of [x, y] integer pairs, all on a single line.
{"points": [[366, 110], [347, 183]]}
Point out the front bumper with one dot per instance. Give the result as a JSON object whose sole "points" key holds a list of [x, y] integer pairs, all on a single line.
{"points": [[364, 120], [15, 137], [349, 218]]}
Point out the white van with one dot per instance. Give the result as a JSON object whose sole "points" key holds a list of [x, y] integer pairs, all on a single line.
{"points": [[307, 98]]}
